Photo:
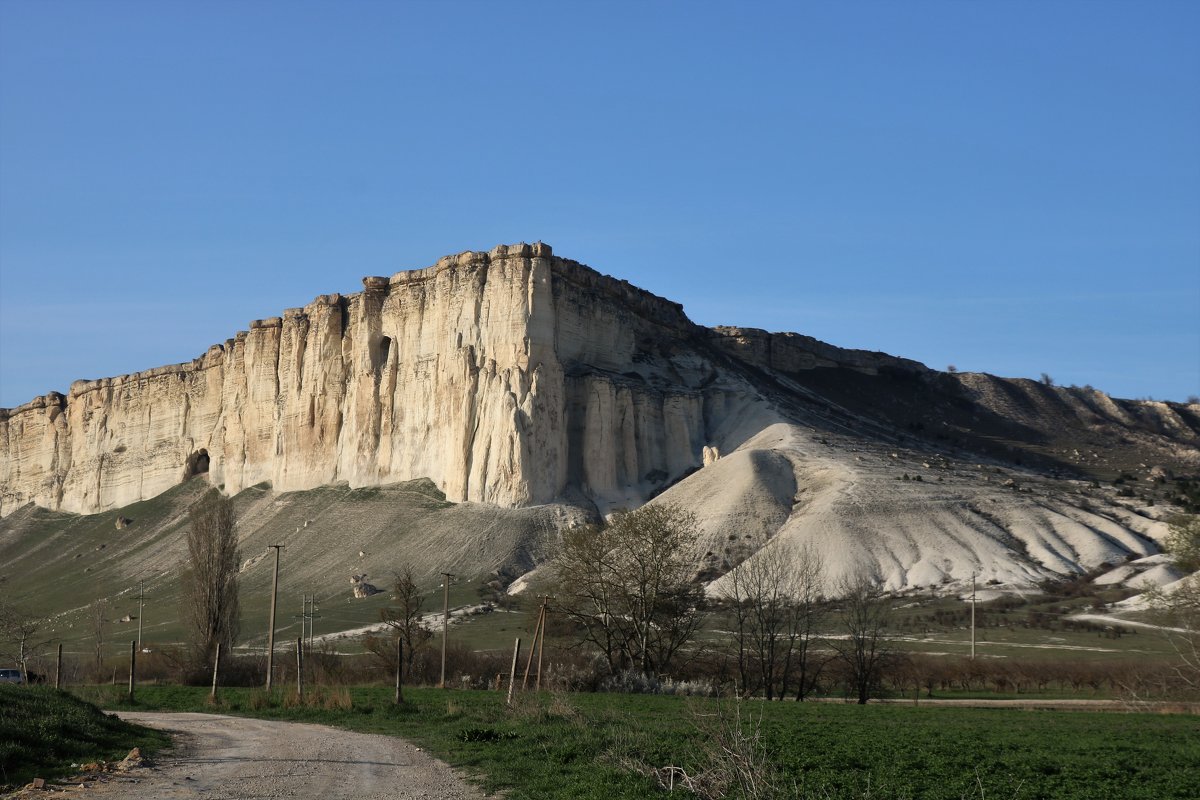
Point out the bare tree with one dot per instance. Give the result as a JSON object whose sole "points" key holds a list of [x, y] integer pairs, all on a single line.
{"points": [[19, 640], [1179, 609], [629, 587], [862, 648], [210, 589], [405, 617], [777, 603], [804, 664]]}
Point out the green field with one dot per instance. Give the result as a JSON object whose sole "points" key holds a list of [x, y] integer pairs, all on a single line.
{"points": [[580, 745]]}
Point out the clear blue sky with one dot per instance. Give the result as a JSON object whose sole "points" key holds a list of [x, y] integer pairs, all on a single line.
{"points": [[1012, 187]]}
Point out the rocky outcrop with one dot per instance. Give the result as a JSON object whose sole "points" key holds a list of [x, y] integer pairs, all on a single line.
{"points": [[508, 377], [793, 352]]}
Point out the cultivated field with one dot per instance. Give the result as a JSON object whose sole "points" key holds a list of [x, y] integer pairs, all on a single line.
{"points": [[559, 745]]}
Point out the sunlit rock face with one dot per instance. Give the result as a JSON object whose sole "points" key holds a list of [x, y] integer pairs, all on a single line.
{"points": [[505, 376], [516, 378]]}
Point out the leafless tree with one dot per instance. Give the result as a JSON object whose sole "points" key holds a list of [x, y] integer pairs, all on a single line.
{"points": [[19, 639], [777, 603], [862, 646], [629, 587], [1179, 609], [210, 589], [405, 617], [804, 664]]}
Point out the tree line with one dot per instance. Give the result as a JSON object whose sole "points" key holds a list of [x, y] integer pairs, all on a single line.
{"points": [[628, 589]]}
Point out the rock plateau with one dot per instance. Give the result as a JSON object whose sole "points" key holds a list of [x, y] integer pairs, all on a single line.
{"points": [[517, 378]]}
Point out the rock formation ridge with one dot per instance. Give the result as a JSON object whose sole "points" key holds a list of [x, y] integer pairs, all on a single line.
{"points": [[515, 377]]}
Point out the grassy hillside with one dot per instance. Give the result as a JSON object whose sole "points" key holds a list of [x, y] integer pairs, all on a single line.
{"points": [[57, 565], [43, 731]]}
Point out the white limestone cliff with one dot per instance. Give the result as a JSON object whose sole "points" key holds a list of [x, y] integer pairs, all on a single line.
{"points": [[507, 377], [516, 378]]}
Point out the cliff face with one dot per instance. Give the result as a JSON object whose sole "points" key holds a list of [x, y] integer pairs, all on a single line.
{"points": [[491, 373], [516, 378]]}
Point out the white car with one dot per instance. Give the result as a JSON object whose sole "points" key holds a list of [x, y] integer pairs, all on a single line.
{"points": [[11, 676]]}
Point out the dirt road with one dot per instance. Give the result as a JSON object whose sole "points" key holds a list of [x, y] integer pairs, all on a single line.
{"points": [[221, 757]]}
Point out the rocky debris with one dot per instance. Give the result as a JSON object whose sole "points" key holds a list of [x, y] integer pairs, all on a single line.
{"points": [[133, 760], [361, 588], [122, 523]]}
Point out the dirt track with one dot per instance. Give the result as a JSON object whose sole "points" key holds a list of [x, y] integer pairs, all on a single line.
{"points": [[233, 757]]}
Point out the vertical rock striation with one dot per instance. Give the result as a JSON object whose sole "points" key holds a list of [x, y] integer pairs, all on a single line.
{"points": [[508, 377]]}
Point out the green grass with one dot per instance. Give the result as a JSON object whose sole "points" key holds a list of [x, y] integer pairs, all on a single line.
{"points": [[566, 746], [44, 731]]}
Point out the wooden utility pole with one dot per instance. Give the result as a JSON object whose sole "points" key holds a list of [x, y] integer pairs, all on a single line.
{"points": [[512, 672], [399, 669], [132, 666], [141, 596], [308, 613], [446, 576], [58, 669], [271, 632], [312, 617], [216, 661], [537, 687], [537, 632], [300, 668], [972, 616]]}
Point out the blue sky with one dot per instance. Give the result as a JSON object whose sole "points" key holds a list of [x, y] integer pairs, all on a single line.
{"points": [[1007, 187]]}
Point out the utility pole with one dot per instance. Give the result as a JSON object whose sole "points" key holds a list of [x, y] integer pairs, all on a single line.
{"points": [[312, 615], [542, 642], [512, 672], [141, 596], [533, 647], [399, 669], [300, 668], [271, 632], [303, 618], [446, 576], [972, 616]]}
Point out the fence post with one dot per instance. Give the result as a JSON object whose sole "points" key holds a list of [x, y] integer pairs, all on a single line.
{"points": [[216, 662], [399, 670], [300, 668], [132, 666], [58, 669]]}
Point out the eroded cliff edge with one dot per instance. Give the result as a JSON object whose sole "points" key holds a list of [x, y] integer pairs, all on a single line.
{"points": [[471, 372], [511, 377]]}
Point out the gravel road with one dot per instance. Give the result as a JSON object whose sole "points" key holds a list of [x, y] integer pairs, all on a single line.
{"points": [[220, 757]]}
